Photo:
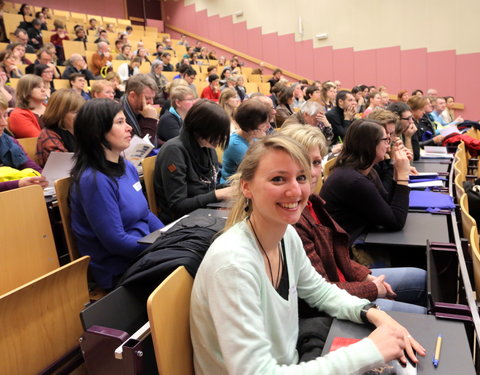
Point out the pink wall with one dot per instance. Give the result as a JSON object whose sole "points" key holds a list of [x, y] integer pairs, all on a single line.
{"points": [[392, 67], [110, 8]]}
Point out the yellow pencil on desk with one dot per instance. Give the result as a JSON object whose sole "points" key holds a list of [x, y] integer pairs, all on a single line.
{"points": [[438, 347]]}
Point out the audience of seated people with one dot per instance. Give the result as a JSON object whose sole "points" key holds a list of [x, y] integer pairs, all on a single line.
{"points": [[327, 245], [256, 325], [109, 211]]}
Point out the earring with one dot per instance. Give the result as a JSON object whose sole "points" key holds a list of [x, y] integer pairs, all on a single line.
{"points": [[247, 204]]}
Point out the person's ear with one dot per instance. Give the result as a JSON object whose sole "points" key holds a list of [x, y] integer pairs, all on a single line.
{"points": [[245, 188]]}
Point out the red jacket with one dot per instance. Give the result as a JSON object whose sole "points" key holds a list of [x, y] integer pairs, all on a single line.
{"points": [[208, 93], [326, 244], [24, 123]]}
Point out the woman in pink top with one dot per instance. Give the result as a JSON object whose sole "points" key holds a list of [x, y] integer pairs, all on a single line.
{"points": [[31, 94]]}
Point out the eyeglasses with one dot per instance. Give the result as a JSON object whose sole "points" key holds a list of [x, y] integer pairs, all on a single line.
{"points": [[409, 118], [387, 140]]}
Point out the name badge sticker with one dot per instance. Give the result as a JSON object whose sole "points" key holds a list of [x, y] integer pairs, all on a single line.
{"points": [[137, 186]]}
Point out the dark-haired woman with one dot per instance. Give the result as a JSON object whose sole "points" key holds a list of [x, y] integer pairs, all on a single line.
{"points": [[252, 117], [46, 73], [354, 194], [186, 168], [109, 212], [284, 108]]}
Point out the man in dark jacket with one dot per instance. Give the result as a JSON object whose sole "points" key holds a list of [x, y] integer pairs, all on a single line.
{"points": [[342, 115]]}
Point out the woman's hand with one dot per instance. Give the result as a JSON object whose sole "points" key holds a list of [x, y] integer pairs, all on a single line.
{"points": [[410, 130], [438, 139], [401, 163], [225, 193], [35, 180], [392, 339]]}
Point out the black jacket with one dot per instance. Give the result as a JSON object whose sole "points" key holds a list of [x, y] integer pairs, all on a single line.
{"points": [[339, 125], [185, 244], [185, 177], [70, 70], [168, 127]]}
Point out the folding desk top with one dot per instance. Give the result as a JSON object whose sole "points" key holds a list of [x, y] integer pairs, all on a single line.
{"points": [[418, 228], [437, 167], [455, 357]]}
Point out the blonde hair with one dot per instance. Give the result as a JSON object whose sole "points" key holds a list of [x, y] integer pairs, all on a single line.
{"points": [[175, 83], [248, 167], [224, 96], [99, 85], [60, 103], [3, 102], [308, 136]]}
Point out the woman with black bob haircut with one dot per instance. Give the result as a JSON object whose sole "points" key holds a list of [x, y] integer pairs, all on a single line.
{"points": [[354, 194], [187, 167], [109, 212], [252, 117]]}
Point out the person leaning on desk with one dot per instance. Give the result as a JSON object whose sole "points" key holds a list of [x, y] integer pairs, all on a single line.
{"points": [[354, 194], [244, 312], [186, 168]]}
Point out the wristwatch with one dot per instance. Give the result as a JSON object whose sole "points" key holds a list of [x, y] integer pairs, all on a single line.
{"points": [[364, 310]]}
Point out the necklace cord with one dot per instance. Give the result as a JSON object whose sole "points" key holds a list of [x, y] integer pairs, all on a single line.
{"points": [[280, 263]]}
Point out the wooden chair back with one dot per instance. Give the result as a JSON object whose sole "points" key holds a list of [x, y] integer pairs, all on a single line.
{"points": [[169, 75], [148, 165], [255, 78], [62, 189], [29, 146], [327, 169], [459, 190], [468, 222], [70, 47], [40, 319], [251, 87], [28, 247], [168, 310], [11, 22], [474, 247], [61, 84], [264, 87], [14, 82]]}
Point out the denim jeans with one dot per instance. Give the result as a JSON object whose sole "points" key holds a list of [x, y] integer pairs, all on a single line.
{"points": [[410, 286]]}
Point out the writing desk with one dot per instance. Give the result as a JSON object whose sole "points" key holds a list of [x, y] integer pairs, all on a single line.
{"points": [[436, 167], [407, 247], [418, 228], [455, 357]]}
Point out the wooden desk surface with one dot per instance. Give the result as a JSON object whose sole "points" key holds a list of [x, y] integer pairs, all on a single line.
{"points": [[418, 228], [455, 357]]}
